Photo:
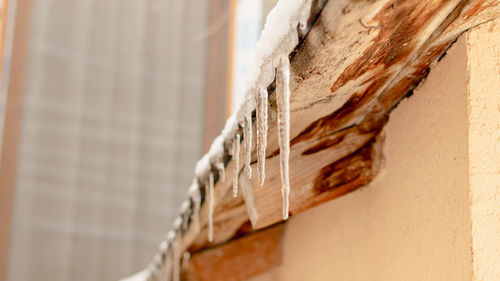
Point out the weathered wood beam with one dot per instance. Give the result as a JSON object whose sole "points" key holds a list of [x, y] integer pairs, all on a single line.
{"points": [[242, 258], [357, 62]]}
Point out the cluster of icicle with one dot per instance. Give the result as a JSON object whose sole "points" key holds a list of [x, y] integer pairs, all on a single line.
{"points": [[278, 39]]}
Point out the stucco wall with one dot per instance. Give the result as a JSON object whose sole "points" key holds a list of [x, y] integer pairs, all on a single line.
{"points": [[412, 222], [483, 65]]}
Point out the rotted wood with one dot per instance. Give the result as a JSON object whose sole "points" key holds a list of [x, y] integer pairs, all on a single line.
{"points": [[358, 61]]}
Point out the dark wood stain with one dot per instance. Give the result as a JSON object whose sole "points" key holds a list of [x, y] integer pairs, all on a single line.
{"points": [[390, 98], [328, 124], [324, 144], [400, 22], [356, 166], [371, 127]]}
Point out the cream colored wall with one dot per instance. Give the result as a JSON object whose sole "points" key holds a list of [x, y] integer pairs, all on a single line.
{"points": [[483, 57], [412, 222]]}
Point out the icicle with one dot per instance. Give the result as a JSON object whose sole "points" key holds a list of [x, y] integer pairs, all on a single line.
{"points": [[194, 192], [210, 195], [236, 157], [156, 267], [222, 171], [184, 210], [261, 112], [169, 263], [283, 102], [151, 272], [185, 259], [162, 254], [176, 270], [248, 144], [176, 248]]}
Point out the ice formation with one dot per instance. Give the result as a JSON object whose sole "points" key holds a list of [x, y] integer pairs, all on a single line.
{"points": [[184, 210], [202, 166], [162, 253], [236, 157], [283, 102], [277, 41], [216, 153], [194, 193], [210, 195], [168, 270], [170, 259], [261, 116], [185, 259], [222, 172], [248, 144], [176, 256]]}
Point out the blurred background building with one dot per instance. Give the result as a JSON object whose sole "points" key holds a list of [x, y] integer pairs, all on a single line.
{"points": [[114, 102]]}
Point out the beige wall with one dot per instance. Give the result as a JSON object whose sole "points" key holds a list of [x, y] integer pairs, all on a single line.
{"points": [[483, 68], [414, 221]]}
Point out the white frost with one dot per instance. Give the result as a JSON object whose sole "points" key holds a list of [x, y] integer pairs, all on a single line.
{"points": [[202, 166], [184, 210], [279, 37], [236, 158], [168, 262], [194, 192], [176, 249], [261, 116], [210, 197], [160, 260], [216, 153], [283, 102], [248, 144]]}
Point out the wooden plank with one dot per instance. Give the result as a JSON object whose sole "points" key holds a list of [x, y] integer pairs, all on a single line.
{"points": [[358, 61], [8, 163], [242, 258]]}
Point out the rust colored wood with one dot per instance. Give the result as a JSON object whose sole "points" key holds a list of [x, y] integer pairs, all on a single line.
{"points": [[240, 259], [216, 81], [12, 127], [356, 64]]}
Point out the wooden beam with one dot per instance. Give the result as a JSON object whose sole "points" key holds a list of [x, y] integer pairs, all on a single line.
{"points": [[242, 258], [8, 163], [358, 61]]}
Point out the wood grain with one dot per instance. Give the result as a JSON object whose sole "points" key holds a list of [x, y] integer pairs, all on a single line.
{"points": [[348, 74]]}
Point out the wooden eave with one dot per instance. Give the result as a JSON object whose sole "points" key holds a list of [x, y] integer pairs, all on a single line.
{"points": [[357, 62]]}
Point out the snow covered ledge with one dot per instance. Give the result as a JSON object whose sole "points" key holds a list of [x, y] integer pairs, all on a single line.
{"points": [[356, 63]]}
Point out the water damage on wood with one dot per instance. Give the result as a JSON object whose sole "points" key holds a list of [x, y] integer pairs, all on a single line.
{"points": [[346, 78]]}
